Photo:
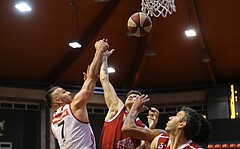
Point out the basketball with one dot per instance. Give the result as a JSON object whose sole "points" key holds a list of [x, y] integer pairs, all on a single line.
{"points": [[139, 24]]}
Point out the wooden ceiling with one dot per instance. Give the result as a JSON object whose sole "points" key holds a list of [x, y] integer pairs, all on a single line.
{"points": [[34, 47]]}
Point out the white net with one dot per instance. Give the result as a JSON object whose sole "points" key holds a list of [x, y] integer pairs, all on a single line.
{"points": [[158, 7]]}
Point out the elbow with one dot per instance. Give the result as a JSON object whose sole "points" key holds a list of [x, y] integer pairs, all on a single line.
{"points": [[127, 130]]}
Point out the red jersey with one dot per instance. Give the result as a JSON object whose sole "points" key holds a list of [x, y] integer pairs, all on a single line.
{"points": [[112, 136], [163, 142]]}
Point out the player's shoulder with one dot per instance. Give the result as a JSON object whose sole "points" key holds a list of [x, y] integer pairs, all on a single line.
{"points": [[164, 134], [140, 123], [194, 145]]}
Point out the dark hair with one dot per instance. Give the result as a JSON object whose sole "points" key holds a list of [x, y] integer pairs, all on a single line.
{"points": [[134, 92], [48, 96], [204, 132], [193, 122]]}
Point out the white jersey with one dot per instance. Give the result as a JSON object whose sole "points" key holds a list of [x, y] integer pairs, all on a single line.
{"points": [[70, 132]]}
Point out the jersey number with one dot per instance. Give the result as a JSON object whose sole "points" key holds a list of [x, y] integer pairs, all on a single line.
{"points": [[62, 123]]}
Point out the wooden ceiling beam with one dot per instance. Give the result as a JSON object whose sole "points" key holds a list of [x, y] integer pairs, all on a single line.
{"points": [[203, 43], [85, 40]]}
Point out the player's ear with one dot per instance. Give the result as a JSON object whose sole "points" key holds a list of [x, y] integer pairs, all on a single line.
{"points": [[182, 124], [58, 100]]}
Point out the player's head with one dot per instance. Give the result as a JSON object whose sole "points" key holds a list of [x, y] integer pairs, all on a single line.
{"points": [[133, 92], [187, 120], [57, 96], [204, 132], [192, 122], [131, 96]]}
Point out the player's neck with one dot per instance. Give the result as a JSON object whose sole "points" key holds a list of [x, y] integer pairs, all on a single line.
{"points": [[56, 106], [177, 140]]}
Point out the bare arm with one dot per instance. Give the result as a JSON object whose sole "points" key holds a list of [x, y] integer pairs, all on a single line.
{"points": [[112, 101], [80, 100], [131, 129]]}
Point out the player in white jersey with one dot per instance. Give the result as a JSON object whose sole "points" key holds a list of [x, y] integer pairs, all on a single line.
{"points": [[79, 134], [70, 123]]}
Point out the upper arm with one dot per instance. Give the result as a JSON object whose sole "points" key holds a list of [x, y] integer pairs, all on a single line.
{"points": [[79, 103], [83, 96], [110, 96], [112, 101]]}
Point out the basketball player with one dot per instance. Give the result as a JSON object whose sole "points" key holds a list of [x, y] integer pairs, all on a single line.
{"points": [[70, 122], [180, 129], [112, 136]]}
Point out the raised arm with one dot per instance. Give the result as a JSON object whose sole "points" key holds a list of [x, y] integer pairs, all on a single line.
{"points": [[131, 129], [112, 101], [80, 100], [153, 115]]}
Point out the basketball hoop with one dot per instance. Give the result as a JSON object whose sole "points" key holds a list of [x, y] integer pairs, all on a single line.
{"points": [[158, 7]]}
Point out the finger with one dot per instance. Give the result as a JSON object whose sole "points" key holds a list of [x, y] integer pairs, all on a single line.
{"points": [[154, 110], [145, 108], [112, 50], [144, 98], [151, 118], [84, 76]]}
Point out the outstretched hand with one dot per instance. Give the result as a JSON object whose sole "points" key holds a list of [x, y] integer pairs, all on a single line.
{"points": [[140, 102], [108, 53], [102, 45]]}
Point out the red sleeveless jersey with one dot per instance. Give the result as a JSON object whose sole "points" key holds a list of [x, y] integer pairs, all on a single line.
{"points": [[112, 136]]}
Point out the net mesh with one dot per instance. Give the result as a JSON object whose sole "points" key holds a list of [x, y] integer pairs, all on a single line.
{"points": [[158, 7]]}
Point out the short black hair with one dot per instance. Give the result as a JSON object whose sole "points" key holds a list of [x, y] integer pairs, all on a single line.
{"points": [[193, 122], [204, 132], [134, 92], [48, 96]]}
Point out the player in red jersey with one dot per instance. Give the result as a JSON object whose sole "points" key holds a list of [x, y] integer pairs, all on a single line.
{"points": [[179, 130], [112, 136], [70, 123]]}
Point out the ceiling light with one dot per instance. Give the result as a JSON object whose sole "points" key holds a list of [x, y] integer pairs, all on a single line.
{"points": [[190, 33], [111, 70], [23, 7], [150, 53], [75, 44]]}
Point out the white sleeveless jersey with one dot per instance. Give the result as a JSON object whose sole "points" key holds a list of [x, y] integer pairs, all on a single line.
{"points": [[70, 132]]}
